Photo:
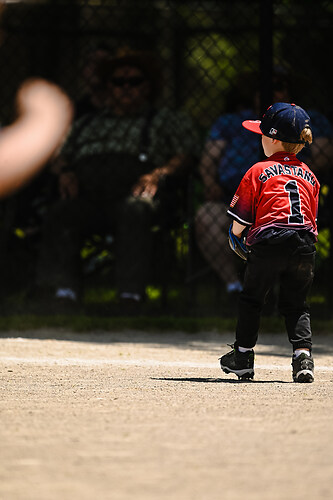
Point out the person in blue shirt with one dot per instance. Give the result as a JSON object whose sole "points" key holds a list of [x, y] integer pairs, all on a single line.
{"points": [[227, 154]]}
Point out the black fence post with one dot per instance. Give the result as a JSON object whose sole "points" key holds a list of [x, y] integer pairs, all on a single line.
{"points": [[266, 54]]}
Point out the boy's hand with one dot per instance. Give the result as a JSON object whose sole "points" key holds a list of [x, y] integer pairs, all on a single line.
{"points": [[237, 244]]}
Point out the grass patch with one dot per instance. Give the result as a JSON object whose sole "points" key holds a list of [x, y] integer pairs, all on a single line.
{"points": [[82, 323], [140, 323]]}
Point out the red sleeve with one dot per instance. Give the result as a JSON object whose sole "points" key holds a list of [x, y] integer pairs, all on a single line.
{"points": [[242, 206]]}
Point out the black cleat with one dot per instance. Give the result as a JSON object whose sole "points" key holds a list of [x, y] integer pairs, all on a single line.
{"points": [[303, 367], [239, 363]]}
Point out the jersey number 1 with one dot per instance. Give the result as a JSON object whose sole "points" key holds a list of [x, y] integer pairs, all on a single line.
{"points": [[295, 216]]}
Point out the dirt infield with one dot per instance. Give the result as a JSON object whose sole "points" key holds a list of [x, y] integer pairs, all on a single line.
{"points": [[151, 416]]}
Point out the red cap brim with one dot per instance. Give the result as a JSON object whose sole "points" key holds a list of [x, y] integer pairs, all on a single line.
{"points": [[253, 125]]}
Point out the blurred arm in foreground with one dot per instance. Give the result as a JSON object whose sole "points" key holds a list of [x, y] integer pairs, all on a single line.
{"points": [[44, 116]]}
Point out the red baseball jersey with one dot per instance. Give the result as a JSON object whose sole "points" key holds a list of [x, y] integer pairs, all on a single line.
{"points": [[276, 195]]}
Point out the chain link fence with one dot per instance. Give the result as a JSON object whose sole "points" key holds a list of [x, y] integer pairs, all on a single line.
{"points": [[210, 64]]}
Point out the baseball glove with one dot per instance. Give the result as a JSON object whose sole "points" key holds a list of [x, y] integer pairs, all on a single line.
{"points": [[237, 245]]}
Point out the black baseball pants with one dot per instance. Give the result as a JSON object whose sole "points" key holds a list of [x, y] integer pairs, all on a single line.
{"points": [[291, 263]]}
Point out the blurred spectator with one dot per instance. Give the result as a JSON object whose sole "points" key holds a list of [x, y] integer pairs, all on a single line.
{"points": [[229, 151], [117, 172]]}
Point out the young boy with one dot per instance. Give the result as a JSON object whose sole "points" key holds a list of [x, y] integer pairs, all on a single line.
{"points": [[277, 201]]}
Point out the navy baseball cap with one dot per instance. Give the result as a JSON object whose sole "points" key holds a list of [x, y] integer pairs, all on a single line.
{"points": [[282, 121]]}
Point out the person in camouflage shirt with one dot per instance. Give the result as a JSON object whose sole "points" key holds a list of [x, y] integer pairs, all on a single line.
{"points": [[116, 171]]}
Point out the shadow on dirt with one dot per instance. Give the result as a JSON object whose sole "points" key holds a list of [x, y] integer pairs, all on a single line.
{"points": [[219, 380]]}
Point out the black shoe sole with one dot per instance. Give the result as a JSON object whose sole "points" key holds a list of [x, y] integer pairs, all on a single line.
{"points": [[241, 376], [304, 378]]}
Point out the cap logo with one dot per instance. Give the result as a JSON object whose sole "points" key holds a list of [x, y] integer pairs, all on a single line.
{"points": [[273, 131]]}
